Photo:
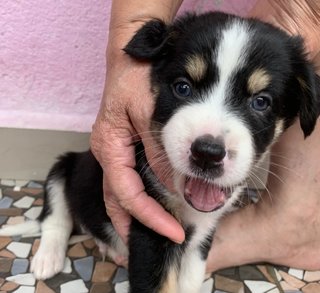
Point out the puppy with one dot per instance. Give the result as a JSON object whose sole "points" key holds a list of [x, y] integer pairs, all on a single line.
{"points": [[225, 88]]}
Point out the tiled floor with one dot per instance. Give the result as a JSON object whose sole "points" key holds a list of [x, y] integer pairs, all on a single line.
{"points": [[85, 271]]}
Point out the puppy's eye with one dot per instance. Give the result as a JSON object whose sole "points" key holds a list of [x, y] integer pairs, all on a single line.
{"points": [[182, 89], [261, 102]]}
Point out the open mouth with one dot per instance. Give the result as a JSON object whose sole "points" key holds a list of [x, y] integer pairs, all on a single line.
{"points": [[205, 196]]}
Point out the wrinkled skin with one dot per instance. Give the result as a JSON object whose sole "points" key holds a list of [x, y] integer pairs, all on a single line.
{"points": [[284, 226]]}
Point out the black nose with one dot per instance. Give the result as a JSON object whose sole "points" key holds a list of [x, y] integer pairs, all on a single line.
{"points": [[207, 152]]}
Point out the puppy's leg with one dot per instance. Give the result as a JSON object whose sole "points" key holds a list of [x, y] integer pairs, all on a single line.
{"points": [[56, 229], [119, 254], [192, 272], [153, 261]]}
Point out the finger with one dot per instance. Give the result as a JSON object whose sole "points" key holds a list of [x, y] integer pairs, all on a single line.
{"points": [[120, 218], [134, 199], [125, 184]]}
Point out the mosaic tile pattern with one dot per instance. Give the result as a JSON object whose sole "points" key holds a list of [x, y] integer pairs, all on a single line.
{"points": [[85, 271]]}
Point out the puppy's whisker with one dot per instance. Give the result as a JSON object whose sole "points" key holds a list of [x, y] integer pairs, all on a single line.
{"points": [[259, 190], [286, 168], [278, 155], [156, 159], [141, 133], [271, 173], [263, 129], [145, 149], [246, 190], [263, 184]]}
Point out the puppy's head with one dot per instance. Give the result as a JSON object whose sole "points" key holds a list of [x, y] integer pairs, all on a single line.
{"points": [[225, 89]]}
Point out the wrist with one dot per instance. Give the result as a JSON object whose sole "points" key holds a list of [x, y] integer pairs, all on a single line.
{"points": [[297, 17]]}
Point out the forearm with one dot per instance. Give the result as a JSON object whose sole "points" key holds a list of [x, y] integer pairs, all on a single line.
{"points": [[127, 16], [298, 17]]}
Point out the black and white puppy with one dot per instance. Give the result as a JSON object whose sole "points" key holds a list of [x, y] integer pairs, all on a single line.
{"points": [[225, 88]]}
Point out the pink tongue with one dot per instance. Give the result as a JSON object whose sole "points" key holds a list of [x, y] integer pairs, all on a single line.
{"points": [[203, 196]]}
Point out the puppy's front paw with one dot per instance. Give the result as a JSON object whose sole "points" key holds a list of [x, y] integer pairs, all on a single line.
{"points": [[46, 264]]}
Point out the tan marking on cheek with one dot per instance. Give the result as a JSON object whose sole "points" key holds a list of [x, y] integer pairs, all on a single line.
{"points": [[196, 67], [170, 285], [278, 130], [258, 80]]}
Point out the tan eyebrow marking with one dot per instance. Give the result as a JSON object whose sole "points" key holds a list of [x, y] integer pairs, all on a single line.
{"points": [[258, 80], [196, 67]]}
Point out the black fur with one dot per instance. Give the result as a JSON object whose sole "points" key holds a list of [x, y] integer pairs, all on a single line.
{"points": [[295, 91]]}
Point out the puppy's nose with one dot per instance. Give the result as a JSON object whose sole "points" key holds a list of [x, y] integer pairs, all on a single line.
{"points": [[207, 152]]}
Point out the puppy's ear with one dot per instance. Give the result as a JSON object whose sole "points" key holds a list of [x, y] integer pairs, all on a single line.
{"points": [[149, 42], [310, 101], [308, 88]]}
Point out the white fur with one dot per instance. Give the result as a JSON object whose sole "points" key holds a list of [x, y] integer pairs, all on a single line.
{"points": [[192, 272], [231, 57], [25, 228], [56, 229], [210, 116]]}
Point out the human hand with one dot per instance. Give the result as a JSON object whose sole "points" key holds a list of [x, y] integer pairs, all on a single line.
{"points": [[295, 17], [284, 227], [124, 117]]}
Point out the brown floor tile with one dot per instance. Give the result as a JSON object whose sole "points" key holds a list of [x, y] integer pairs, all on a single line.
{"points": [[292, 281], [228, 285], [311, 276], [4, 241], [95, 252], [15, 195], [11, 212], [32, 191], [5, 265], [103, 271], [77, 251], [6, 253], [9, 286], [264, 271], [101, 288], [38, 202], [286, 287], [35, 246], [311, 288], [43, 288], [90, 243]]}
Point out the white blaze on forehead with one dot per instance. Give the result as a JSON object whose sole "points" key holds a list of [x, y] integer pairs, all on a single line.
{"points": [[211, 115], [230, 56]]}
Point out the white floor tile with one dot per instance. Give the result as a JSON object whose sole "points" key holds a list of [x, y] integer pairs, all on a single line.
{"points": [[76, 286], [122, 287], [33, 213], [23, 279], [25, 202], [259, 286], [25, 289], [20, 249]]}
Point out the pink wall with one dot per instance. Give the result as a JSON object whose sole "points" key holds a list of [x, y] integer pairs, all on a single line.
{"points": [[52, 62]]}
